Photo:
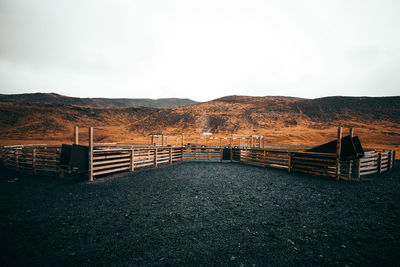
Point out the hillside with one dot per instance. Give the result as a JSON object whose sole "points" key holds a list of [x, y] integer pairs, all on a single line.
{"points": [[95, 102], [284, 120]]}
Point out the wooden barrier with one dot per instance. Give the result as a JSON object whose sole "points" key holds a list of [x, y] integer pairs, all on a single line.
{"points": [[110, 158], [32, 159], [107, 161], [203, 153]]}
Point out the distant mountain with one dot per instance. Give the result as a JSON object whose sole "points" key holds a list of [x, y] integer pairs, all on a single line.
{"points": [[284, 120], [53, 98], [247, 114]]}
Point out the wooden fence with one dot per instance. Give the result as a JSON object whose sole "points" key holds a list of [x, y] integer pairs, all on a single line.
{"points": [[324, 164], [35, 158], [106, 161], [203, 153], [43, 159]]}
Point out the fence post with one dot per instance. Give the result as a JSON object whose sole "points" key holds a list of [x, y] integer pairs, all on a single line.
{"points": [[289, 161], [34, 161], [16, 159], [182, 154], [91, 154], [221, 153], [394, 157], [132, 160], [76, 135], [246, 156], [379, 162], [351, 132], [155, 157], [350, 168], [170, 155], [231, 149], [265, 158], [358, 170], [338, 151]]}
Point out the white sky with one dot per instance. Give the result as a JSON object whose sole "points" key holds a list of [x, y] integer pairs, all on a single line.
{"points": [[200, 49]]}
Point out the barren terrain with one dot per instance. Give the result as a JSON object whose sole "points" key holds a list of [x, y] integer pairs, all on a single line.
{"points": [[203, 214], [282, 120]]}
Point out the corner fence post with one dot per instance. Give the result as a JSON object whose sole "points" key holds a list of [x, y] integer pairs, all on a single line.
{"points": [[338, 151], [132, 160], [91, 154], [76, 135]]}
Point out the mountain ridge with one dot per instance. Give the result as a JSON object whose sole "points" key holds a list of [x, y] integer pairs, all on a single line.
{"points": [[94, 102], [284, 120]]}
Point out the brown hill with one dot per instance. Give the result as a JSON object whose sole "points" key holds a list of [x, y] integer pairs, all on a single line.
{"points": [[285, 120], [95, 102]]}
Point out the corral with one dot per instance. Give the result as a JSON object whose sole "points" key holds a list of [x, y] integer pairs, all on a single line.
{"points": [[99, 159]]}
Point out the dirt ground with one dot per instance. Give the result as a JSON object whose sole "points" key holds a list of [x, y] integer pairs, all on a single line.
{"points": [[200, 214]]}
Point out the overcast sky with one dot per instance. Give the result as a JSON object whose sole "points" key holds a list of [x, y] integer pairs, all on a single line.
{"points": [[200, 49]]}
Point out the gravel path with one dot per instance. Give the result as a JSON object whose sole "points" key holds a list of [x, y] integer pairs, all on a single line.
{"points": [[200, 214]]}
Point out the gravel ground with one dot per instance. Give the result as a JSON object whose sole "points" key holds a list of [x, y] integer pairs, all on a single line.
{"points": [[200, 214]]}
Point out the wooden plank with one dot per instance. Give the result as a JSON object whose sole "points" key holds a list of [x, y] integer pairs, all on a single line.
{"points": [[96, 157], [296, 157], [111, 171], [96, 163], [309, 162], [317, 169], [364, 169], [111, 166], [369, 172], [139, 165]]}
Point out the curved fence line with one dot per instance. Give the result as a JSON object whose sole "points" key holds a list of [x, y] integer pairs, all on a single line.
{"points": [[105, 160]]}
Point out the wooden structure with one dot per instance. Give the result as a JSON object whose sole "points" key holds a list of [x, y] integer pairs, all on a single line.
{"points": [[105, 159]]}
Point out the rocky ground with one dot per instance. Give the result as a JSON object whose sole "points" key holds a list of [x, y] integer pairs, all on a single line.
{"points": [[200, 214]]}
